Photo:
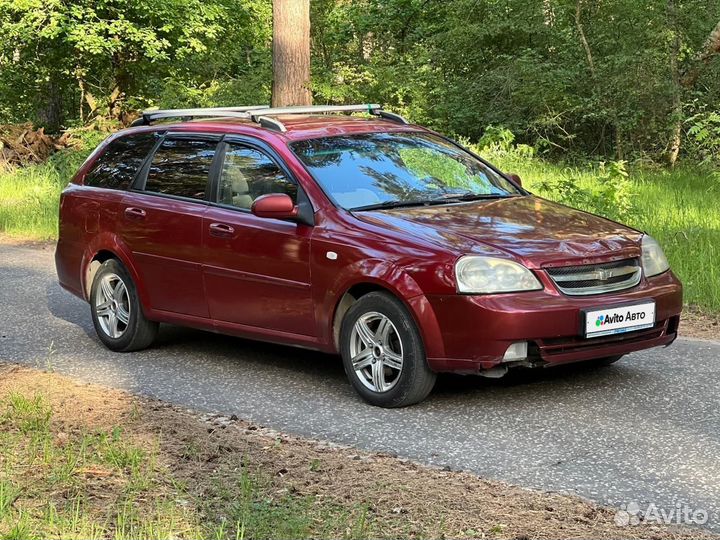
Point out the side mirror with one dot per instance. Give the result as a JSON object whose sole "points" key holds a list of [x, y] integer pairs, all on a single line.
{"points": [[515, 178], [274, 205]]}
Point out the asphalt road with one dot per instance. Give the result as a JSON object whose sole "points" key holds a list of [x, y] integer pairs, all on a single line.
{"points": [[645, 430]]}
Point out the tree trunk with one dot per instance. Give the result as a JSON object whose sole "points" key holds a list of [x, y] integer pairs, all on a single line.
{"points": [[619, 142], [50, 114], [583, 39], [709, 50], [712, 44], [291, 53], [81, 84], [687, 81], [677, 106], [116, 101], [676, 136]]}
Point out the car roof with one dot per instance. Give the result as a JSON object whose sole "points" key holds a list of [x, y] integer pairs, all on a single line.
{"points": [[298, 127]]}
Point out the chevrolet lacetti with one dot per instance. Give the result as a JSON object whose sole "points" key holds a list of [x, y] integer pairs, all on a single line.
{"points": [[361, 235]]}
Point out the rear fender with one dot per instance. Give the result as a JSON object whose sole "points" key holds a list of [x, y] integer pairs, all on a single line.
{"points": [[107, 241]]}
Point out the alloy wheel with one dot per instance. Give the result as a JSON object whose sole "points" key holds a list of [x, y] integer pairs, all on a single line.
{"points": [[112, 305], [376, 352]]}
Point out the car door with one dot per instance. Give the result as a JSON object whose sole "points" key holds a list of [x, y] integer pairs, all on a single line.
{"points": [[256, 270], [162, 222]]}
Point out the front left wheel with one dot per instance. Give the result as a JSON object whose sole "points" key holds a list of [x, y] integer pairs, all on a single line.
{"points": [[116, 312], [383, 353]]}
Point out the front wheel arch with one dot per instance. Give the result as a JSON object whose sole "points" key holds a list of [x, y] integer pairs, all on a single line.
{"points": [[352, 295], [413, 299]]}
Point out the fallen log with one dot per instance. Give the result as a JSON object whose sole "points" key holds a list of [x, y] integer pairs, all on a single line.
{"points": [[21, 144]]}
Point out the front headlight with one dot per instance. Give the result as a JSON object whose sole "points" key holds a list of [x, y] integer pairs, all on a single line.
{"points": [[484, 275], [654, 261]]}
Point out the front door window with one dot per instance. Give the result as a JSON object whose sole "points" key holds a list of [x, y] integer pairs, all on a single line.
{"points": [[248, 174]]}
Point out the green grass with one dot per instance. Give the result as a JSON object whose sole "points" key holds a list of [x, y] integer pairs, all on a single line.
{"points": [[243, 509], [29, 196], [110, 484], [679, 208]]}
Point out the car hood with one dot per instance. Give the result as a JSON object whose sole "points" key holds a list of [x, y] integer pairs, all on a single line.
{"points": [[535, 231]]}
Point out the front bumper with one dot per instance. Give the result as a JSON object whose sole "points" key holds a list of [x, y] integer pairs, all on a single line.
{"points": [[477, 330]]}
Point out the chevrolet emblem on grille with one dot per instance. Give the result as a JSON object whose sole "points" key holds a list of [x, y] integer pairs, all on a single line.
{"points": [[597, 279], [601, 274]]}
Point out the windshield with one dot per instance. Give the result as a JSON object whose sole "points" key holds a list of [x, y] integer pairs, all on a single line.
{"points": [[380, 170]]}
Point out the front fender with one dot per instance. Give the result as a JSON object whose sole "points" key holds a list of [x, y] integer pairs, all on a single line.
{"points": [[391, 277]]}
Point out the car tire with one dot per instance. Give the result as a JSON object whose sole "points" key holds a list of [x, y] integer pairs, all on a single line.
{"points": [[116, 311], [381, 347], [608, 360]]}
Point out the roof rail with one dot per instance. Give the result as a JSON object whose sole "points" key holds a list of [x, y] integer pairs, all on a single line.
{"points": [[369, 108], [270, 123], [150, 115], [394, 117], [262, 114]]}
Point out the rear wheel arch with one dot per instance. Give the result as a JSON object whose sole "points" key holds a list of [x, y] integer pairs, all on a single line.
{"points": [[93, 265], [97, 256], [104, 247]]}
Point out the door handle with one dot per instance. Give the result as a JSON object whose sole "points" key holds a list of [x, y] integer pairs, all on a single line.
{"points": [[134, 213], [221, 230]]}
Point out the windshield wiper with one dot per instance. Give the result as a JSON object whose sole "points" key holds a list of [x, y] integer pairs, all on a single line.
{"points": [[472, 197], [392, 204], [428, 202]]}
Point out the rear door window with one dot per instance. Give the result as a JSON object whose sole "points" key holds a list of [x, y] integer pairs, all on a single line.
{"points": [[181, 167], [117, 166]]}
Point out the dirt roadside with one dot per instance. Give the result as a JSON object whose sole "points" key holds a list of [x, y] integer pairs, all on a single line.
{"points": [[204, 453], [698, 323]]}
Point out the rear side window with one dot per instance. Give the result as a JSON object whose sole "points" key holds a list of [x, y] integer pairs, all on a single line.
{"points": [[117, 166], [181, 167]]}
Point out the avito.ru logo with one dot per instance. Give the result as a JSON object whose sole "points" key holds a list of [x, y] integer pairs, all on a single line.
{"points": [[633, 514], [609, 319], [619, 317]]}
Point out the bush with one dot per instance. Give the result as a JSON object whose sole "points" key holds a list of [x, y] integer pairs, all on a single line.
{"points": [[704, 135], [613, 194], [498, 140]]}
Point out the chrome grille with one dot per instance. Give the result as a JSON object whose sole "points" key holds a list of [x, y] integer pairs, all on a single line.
{"points": [[596, 278]]}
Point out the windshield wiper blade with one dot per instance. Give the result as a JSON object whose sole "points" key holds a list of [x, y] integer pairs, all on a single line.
{"points": [[391, 204], [428, 202], [473, 197]]}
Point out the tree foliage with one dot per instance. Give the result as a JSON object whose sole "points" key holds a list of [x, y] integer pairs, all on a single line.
{"points": [[616, 78], [64, 59]]}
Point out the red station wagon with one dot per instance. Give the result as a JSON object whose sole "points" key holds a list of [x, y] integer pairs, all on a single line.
{"points": [[360, 235]]}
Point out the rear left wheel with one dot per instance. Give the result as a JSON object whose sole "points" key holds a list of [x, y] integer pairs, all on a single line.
{"points": [[116, 312]]}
